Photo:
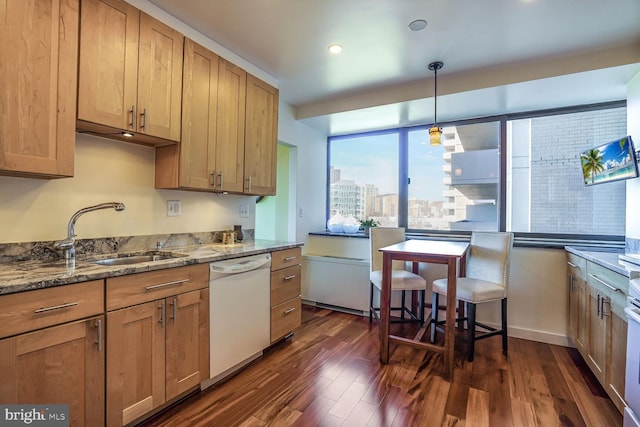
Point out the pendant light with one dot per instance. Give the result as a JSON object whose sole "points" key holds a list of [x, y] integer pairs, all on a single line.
{"points": [[435, 131]]}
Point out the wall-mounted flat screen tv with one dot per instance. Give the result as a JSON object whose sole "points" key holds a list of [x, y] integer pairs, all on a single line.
{"points": [[613, 161]]}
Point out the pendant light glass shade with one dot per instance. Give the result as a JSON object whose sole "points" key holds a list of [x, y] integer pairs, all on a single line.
{"points": [[435, 132], [435, 135]]}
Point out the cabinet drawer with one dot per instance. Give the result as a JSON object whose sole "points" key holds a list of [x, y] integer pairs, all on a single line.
{"points": [[285, 284], [31, 310], [285, 318], [285, 258], [577, 264], [598, 275], [138, 288]]}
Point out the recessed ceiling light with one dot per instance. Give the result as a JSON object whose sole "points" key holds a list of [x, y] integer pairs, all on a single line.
{"points": [[418, 25], [335, 48]]}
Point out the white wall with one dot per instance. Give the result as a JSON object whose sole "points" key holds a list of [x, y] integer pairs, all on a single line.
{"points": [[537, 307], [107, 170], [311, 175]]}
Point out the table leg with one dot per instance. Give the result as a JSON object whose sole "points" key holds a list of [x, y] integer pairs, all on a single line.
{"points": [[385, 304], [449, 340]]}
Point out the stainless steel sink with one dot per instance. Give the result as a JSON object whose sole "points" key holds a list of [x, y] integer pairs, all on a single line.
{"points": [[137, 258]]}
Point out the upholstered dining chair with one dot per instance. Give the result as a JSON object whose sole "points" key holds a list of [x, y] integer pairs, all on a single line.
{"points": [[401, 279], [487, 279]]}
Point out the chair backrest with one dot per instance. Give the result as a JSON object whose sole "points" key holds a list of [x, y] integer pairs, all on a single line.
{"points": [[379, 237], [490, 256]]}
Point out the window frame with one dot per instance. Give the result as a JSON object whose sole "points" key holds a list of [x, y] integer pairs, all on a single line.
{"points": [[553, 240]]}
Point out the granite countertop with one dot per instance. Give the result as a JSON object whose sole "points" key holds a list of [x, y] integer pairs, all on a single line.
{"points": [[608, 258], [29, 275]]}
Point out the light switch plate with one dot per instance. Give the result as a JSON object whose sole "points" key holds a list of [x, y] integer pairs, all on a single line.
{"points": [[244, 211], [174, 208]]}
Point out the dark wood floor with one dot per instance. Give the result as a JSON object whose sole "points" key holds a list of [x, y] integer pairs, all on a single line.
{"points": [[329, 374]]}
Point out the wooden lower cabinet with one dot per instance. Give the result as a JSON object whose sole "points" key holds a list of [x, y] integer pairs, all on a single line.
{"points": [[597, 342], [156, 350], [576, 281], [597, 323], [286, 299], [57, 365]]}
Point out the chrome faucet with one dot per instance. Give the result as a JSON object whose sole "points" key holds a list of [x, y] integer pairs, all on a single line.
{"points": [[68, 245]]}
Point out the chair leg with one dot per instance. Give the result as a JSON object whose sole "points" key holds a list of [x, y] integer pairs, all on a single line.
{"points": [[371, 303], [504, 326], [434, 316], [471, 330], [421, 296], [402, 305]]}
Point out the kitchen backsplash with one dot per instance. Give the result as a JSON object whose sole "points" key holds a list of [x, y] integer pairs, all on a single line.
{"points": [[44, 251]]}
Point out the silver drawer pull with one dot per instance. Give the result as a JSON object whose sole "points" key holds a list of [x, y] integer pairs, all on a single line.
{"points": [[55, 307], [291, 310], [289, 258], [572, 265], [606, 284], [162, 285], [293, 276]]}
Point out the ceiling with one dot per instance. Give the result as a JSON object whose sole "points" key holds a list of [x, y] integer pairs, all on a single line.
{"points": [[499, 55]]}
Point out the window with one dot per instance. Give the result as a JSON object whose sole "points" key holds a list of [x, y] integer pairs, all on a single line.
{"points": [[363, 177], [546, 191], [397, 178]]}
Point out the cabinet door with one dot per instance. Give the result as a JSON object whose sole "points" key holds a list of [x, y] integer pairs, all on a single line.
{"points": [[187, 345], [261, 137], [57, 365], [159, 79], [135, 361], [108, 69], [582, 331], [232, 81], [597, 343], [39, 77], [199, 112]]}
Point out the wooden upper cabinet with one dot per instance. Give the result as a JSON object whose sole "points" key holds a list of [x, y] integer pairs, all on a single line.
{"points": [[39, 58], [230, 135], [108, 70], [192, 163], [261, 137], [159, 79], [130, 74]]}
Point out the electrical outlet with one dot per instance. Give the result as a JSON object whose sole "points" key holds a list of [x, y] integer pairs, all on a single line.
{"points": [[174, 208], [244, 211]]}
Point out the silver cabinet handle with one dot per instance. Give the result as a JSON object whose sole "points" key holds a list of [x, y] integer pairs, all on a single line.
{"points": [[162, 317], [162, 285], [249, 184], [174, 305], [213, 180], [291, 310], [602, 312], [293, 276], [571, 286], [289, 258], [572, 265], [99, 333], [132, 123], [143, 119], [598, 307], [606, 284], [55, 307]]}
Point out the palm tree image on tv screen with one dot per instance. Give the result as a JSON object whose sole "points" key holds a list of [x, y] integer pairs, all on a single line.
{"points": [[613, 161]]}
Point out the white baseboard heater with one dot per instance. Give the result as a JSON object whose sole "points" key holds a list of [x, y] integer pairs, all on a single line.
{"points": [[336, 283]]}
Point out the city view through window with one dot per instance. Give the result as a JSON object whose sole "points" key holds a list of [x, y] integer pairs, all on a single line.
{"points": [[453, 186]]}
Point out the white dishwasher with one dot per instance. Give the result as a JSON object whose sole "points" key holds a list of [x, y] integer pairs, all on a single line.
{"points": [[239, 313]]}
